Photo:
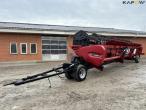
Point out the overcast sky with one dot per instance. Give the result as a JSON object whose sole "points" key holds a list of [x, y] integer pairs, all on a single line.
{"points": [[99, 13]]}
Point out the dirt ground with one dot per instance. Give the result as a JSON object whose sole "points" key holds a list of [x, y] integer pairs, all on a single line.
{"points": [[118, 87]]}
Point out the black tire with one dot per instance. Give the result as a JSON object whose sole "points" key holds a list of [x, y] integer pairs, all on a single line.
{"points": [[136, 59], [80, 73], [121, 60], [68, 75]]}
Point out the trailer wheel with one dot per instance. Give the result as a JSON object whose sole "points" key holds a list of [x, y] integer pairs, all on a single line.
{"points": [[136, 59], [68, 75], [80, 73]]}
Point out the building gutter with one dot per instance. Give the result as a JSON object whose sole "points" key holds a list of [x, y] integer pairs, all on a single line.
{"points": [[46, 32]]}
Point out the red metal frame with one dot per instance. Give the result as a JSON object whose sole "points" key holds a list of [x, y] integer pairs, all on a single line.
{"points": [[112, 50]]}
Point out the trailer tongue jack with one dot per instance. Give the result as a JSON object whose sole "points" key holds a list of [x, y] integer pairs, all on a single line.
{"points": [[92, 51]]}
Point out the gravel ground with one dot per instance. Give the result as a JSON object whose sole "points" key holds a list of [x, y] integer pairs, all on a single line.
{"points": [[118, 87]]}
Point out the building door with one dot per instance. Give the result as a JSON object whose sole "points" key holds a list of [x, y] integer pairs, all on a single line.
{"points": [[54, 48]]}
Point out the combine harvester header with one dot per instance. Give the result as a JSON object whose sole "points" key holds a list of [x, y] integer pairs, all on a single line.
{"points": [[92, 51]]}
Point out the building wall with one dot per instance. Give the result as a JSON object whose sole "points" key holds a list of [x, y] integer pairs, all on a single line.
{"points": [[70, 52], [6, 39]]}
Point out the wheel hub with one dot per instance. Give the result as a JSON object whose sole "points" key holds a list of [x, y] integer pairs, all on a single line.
{"points": [[82, 73]]}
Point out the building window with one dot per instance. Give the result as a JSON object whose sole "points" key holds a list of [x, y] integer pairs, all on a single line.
{"points": [[23, 48], [33, 48], [13, 48], [52, 45]]}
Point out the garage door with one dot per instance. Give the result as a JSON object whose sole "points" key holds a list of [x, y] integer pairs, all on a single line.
{"points": [[54, 48]]}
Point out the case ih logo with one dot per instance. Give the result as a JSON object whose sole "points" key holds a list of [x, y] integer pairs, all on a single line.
{"points": [[136, 2]]}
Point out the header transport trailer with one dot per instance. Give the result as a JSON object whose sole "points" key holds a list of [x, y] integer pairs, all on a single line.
{"points": [[91, 51]]}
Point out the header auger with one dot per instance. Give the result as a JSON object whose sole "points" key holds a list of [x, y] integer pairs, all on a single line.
{"points": [[92, 51]]}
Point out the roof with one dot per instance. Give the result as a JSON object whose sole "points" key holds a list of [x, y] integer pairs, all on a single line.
{"points": [[64, 30]]}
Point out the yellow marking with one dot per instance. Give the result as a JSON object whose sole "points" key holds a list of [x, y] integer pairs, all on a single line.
{"points": [[136, 2]]}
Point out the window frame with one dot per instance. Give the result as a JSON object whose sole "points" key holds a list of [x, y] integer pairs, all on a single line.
{"points": [[61, 45], [11, 49], [30, 48], [21, 48]]}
